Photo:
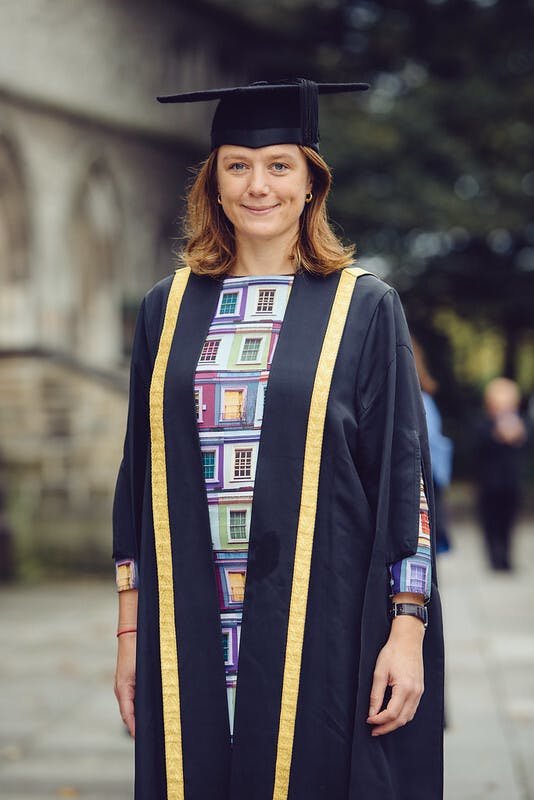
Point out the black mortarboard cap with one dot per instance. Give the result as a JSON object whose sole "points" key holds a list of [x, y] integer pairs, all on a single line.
{"points": [[263, 114]]}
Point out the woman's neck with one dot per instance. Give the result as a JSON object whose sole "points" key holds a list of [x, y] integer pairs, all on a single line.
{"points": [[256, 257]]}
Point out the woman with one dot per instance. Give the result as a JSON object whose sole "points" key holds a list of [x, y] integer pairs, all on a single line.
{"points": [[325, 514]]}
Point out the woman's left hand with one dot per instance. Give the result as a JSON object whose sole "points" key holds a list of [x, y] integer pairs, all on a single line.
{"points": [[399, 665]]}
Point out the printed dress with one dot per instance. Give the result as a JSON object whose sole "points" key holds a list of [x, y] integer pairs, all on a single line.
{"points": [[230, 385]]}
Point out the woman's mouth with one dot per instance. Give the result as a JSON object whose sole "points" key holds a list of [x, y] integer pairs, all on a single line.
{"points": [[260, 210]]}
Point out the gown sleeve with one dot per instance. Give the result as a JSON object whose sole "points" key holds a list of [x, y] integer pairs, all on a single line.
{"points": [[128, 501], [392, 442]]}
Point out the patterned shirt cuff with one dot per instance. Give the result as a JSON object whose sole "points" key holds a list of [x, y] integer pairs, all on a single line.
{"points": [[414, 573], [126, 574]]}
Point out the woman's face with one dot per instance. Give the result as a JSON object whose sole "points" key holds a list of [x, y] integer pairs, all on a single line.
{"points": [[263, 189]]}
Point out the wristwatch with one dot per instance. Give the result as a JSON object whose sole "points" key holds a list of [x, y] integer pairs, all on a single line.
{"points": [[411, 609]]}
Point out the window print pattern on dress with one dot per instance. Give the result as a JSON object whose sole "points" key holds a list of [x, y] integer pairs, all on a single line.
{"points": [[236, 582], [238, 526], [228, 303], [208, 462], [126, 574], [243, 463], [265, 301], [210, 350], [233, 404], [251, 348], [416, 577], [231, 377], [226, 646]]}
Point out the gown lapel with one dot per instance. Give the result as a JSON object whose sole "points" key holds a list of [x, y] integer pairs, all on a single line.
{"points": [[274, 522], [203, 712]]}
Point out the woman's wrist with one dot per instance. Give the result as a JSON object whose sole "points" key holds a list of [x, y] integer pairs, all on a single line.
{"points": [[127, 616], [124, 626], [126, 632], [407, 625], [408, 597]]}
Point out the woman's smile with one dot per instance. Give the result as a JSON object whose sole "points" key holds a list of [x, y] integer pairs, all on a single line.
{"points": [[260, 210]]}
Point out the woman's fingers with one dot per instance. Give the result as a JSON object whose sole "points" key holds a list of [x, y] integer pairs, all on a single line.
{"points": [[125, 681], [399, 711], [128, 715], [378, 689], [125, 695]]}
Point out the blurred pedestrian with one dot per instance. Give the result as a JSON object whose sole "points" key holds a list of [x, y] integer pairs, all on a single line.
{"points": [[501, 435], [441, 448], [327, 516]]}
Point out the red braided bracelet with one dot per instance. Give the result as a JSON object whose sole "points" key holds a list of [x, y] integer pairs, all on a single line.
{"points": [[126, 630]]}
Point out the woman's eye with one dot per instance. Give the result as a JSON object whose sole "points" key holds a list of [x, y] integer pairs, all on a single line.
{"points": [[279, 167], [237, 167]]}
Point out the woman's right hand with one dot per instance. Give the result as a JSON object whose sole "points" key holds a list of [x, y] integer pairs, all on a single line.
{"points": [[125, 679]]}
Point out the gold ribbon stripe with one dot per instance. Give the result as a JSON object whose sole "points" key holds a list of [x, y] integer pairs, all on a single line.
{"points": [[306, 528], [162, 535]]}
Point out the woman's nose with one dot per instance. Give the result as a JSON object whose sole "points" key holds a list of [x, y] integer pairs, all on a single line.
{"points": [[258, 181]]}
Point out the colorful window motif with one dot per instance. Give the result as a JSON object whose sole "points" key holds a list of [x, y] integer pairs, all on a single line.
{"points": [[238, 526], [209, 350], [233, 404], [265, 300], [228, 303], [236, 585], [237, 355], [226, 646], [417, 577], [208, 462], [126, 574], [243, 463], [251, 348]]}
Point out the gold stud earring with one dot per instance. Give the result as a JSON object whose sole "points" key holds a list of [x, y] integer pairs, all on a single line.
{"points": [[309, 197], [219, 200]]}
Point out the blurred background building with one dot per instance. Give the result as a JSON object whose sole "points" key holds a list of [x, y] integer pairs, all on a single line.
{"points": [[92, 173], [433, 178]]}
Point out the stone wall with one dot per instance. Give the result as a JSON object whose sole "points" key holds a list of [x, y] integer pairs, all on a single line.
{"points": [[106, 60], [61, 431]]}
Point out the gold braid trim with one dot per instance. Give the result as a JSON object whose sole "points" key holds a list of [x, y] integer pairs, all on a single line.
{"points": [[162, 535], [306, 528]]}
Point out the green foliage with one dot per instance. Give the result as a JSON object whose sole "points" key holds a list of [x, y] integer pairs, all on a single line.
{"points": [[434, 174], [433, 168]]}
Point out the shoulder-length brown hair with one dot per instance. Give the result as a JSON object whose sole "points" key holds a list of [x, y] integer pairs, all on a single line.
{"points": [[210, 247]]}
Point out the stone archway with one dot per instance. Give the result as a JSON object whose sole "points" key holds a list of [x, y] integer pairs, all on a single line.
{"points": [[96, 236], [16, 321]]}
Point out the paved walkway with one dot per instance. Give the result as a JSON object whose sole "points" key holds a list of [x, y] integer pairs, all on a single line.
{"points": [[489, 626], [61, 736]]}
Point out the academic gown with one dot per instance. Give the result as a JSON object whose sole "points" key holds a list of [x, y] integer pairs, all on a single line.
{"points": [[336, 499]]}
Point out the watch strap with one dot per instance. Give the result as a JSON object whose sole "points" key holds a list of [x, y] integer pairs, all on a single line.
{"points": [[411, 610]]}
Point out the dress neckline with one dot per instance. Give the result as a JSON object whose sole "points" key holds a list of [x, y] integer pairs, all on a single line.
{"points": [[261, 277]]}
